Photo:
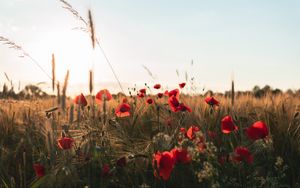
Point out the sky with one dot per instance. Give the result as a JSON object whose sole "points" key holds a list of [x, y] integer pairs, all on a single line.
{"points": [[255, 42]]}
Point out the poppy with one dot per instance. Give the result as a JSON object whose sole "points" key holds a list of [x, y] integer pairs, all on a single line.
{"points": [[39, 170], [105, 171], [258, 130], [181, 156], [227, 125], [182, 107], [243, 154], [149, 101], [160, 95], [212, 101], [157, 86], [141, 95], [103, 94], [123, 110], [181, 85], [166, 93], [121, 162], [65, 143], [143, 91], [174, 92], [163, 164], [191, 132], [183, 130], [80, 100], [173, 103]]}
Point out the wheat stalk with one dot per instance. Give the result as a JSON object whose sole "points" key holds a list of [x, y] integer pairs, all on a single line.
{"points": [[53, 72], [91, 81], [64, 90], [92, 29]]}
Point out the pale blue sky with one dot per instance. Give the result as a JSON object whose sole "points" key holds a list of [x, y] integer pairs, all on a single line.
{"points": [[257, 40]]}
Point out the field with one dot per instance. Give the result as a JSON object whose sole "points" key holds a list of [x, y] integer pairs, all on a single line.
{"points": [[152, 135], [93, 142]]}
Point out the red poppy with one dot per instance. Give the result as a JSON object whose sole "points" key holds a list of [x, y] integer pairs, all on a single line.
{"points": [[121, 162], [258, 130], [160, 95], [65, 143], [227, 125], [143, 91], [212, 101], [39, 170], [157, 86], [123, 110], [103, 94], [163, 164], [173, 103], [166, 93], [149, 101], [174, 92], [183, 130], [105, 171], [80, 100], [191, 132], [181, 156], [182, 107], [141, 95], [243, 154], [181, 85]]}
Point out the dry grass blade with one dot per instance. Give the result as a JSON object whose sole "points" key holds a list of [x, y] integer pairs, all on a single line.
{"points": [[92, 28], [232, 93], [91, 82], [53, 72], [64, 90], [58, 93], [75, 13], [6, 76]]}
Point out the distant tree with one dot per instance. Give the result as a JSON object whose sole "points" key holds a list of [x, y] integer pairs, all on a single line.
{"points": [[276, 91]]}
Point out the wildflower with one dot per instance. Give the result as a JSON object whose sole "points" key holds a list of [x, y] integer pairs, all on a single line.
{"points": [[181, 156], [149, 101], [105, 171], [163, 164], [227, 125], [181, 85], [39, 170], [243, 154], [157, 86], [173, 103], [123, 110], [176, 106], [141, 95], [103, 94], [182, 107], [65, 143], [174, 92], [80, 100], [258, 130], [166, 93], [143, 90], [212, 101], [191, 132], [160, 95]]}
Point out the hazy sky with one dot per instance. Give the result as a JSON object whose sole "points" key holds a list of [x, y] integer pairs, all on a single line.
{"points": [[258, 41]]}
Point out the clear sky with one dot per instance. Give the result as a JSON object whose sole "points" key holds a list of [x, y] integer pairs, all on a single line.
{"points": [[258, 41]]}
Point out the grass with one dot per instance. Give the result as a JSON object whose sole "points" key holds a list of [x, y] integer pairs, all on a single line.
{"points": [[28, 136]]}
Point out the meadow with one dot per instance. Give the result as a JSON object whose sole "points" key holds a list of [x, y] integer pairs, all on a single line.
{"points": [[148, 137], [148, 140]]}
